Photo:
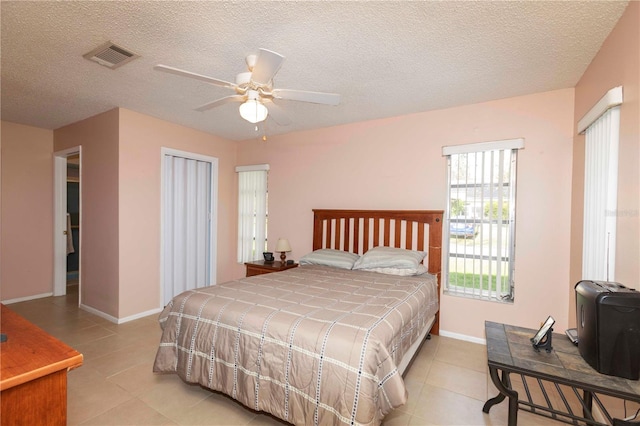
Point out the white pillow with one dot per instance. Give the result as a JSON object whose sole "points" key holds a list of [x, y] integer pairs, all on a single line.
{"points": [[390, 257], [330, 257], [421, 269]]}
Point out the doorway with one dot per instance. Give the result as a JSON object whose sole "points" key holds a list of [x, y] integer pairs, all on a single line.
{"points": [[189, 220], [67, 221], [73, 221]]}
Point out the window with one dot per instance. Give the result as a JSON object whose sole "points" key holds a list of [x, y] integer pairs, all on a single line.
{"points": [[480, 219], [602, 127], [252, 212]]}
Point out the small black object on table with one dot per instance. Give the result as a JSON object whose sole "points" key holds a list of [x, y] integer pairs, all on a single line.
{"points": [[543, 338]]}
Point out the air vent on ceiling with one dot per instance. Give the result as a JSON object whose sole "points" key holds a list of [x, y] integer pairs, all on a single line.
{"points": [[110, 55]]}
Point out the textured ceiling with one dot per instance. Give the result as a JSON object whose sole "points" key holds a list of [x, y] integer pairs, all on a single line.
{"points": [[384, 58]]}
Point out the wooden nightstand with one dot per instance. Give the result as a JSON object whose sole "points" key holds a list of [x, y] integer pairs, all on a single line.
{"points": [[261, 267], [33, 377]]}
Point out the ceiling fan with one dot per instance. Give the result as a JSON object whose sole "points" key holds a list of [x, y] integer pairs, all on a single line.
{"points": [[254, 89]]}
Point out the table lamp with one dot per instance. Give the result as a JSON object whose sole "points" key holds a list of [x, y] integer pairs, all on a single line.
{"points": [[283, 246]]}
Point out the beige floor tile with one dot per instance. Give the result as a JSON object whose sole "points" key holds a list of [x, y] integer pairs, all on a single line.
{"points": [[414, 389], [417, 421], [174, 398], [430, 347], [71, 326], [131, 413], [464, 381], [420, 373], [397, 418], [439, 406], [140, 379], [75, 337], [214, 410], [419, 369], [82, 376], [98, 320], [463, 354], [70, 299], [112, 343], [117, 361], [525, 418], [49, 317], [617, 409], [91, 395]]}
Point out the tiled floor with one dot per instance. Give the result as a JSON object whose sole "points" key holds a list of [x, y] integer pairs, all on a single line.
{"points": [[447, 383]]}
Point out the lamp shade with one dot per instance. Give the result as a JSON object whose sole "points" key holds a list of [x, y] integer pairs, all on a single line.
{"points": [[283, 245], [253, 111]]}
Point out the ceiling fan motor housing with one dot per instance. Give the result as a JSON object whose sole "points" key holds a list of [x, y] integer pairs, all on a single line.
{"points": [[243, 78]]}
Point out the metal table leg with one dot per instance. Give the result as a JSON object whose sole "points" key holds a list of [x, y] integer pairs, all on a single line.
{"points": [[503, 384], [588, 401]]}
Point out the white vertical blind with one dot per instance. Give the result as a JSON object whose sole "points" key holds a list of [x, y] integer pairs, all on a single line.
{"points": [[480, 247], [600, 197], [187, 223], [252, 213]]}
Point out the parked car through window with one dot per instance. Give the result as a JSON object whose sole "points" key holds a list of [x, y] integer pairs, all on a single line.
{"points": [[463, 229]]}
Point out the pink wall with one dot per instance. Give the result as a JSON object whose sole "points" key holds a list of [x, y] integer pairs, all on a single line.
{"points": [[26, 241], [99, 265], [397, 163], [141, 139], [121, 206], [616, 64]]}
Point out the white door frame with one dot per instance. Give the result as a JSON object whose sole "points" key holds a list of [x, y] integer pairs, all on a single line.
{"points": [[60, 220], [213, 209]]}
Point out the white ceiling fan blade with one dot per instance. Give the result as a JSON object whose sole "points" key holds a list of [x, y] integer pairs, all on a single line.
{"points": [[304, 96], [267, 65], [277, 113], [189, 74], [221, 101]]}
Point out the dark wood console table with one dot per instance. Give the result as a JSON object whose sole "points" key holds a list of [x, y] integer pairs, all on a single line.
{"points": [[559, 384]]}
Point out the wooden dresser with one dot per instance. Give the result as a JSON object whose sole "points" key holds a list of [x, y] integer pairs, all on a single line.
{"points": [[261, 267], [33, 373]]}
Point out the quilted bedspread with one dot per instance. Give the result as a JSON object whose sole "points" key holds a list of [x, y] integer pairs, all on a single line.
{"points": [[310, 345]]}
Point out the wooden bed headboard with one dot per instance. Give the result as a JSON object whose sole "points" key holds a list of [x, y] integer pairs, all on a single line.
{"points": [[357, 231]]}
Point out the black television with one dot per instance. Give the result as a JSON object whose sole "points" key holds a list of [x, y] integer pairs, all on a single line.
{"points": [[608, 322]]}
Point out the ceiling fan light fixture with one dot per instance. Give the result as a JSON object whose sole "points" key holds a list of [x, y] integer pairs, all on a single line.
{"points": [[253, 111]]}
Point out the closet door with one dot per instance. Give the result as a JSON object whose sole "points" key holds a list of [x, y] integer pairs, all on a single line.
{"points": [[187, 225]]}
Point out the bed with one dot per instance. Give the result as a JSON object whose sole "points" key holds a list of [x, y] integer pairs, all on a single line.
{"points": [[316, 344]]}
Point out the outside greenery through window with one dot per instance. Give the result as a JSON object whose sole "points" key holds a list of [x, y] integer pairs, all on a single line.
{"points": [[481, 220]]}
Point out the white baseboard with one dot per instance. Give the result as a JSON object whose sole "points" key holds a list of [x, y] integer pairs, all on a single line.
{"points": [[463, 337], [27, 298], [140, 315], [115, 320], [98, 313]]}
